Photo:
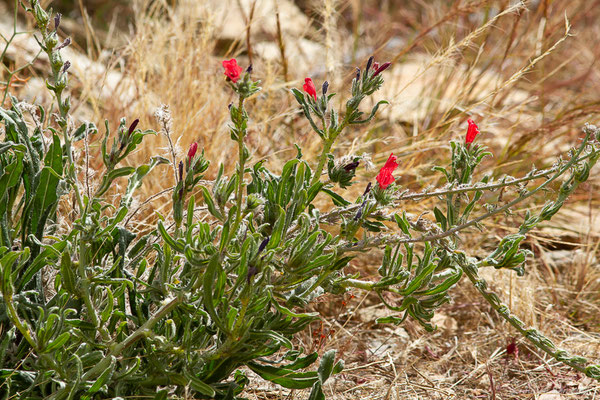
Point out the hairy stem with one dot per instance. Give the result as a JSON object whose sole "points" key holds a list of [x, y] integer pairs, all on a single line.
{"points": [[532, 334]]}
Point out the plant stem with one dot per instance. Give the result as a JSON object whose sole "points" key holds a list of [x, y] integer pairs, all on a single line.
{"points": [[367, 243], [241, 166], [326, 149], [532, 334], [139, 333]]}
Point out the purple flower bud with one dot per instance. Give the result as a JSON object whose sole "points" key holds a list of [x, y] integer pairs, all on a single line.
{"points": [[382, 68], [229, 106], [369, 63], [263, 244], [249, 69], [64, 44], [358, 214], [66, 66], [133, 125], [180, 173], [325, 87], [252, 270], [368, 189], [352, 166], [357, 73], [57, 20]]}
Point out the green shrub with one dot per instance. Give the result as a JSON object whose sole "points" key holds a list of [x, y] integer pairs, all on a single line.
{"points": [[182, 308]]}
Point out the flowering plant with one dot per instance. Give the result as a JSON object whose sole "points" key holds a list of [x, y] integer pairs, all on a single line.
{"points": [[180, 309]]}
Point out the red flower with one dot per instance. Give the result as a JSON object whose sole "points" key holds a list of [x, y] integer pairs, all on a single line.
{"points": [[472, 131], [192, 151], [380, 68], [309, 87], [385, 177], [232, 70]]}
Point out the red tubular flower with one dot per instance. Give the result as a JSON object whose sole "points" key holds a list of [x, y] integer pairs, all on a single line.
{"points": [[192, 151], [309, 87], [232, 69], [385, 177], [380, 68], [472, 131]]}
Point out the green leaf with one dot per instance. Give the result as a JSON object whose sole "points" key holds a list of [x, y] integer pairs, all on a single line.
{"points": [[317, 392], [326, 366], [444, 286], [7, 263], [277, 232], [198, 385], [370, 117], [337, 199], [207, 290], [10, 177], [46, 195], [211, 204], [402, 222], [391, 320], [285, 377], [111, 176], [87, 128], [67, 274], [135, 180], [58, 342], [303, 362], [102, 379], [439, 216], [175, 245], [418, 280], [51, 252], [107, 312]]}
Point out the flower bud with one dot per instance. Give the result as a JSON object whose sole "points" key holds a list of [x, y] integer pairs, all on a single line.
{"points": [[51, 41], [57, 18], [382, 68], [367, 189], [133, 125], [369, 64], [192, 151], [263, 245], [66, 66], [64, 44], [342, 171], [41, 16], [325, 87]]}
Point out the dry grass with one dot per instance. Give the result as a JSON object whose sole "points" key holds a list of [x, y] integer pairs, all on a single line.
{"points": [[526, 75]]}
